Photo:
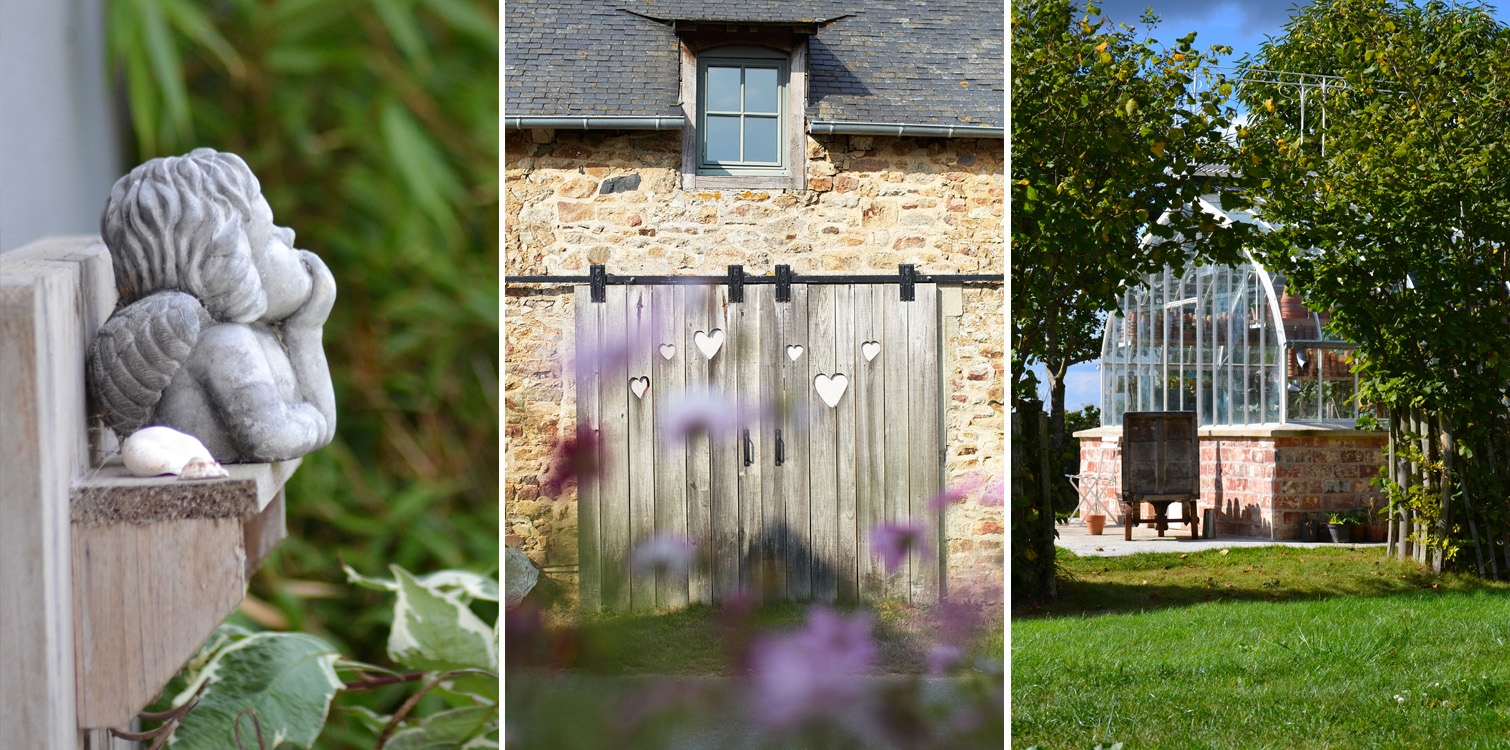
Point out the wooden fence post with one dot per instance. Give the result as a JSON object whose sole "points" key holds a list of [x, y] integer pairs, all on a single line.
{"points": [[42, 447], [108, 583]]}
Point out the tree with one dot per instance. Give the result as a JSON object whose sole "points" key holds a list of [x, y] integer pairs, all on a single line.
{"points": [[1392, 212], [1109, 133]]}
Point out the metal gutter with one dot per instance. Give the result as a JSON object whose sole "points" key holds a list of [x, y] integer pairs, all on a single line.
{"points": [[595, 122], [826, 127]]}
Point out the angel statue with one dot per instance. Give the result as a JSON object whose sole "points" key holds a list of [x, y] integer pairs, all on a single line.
{"points": [[218, 329]]}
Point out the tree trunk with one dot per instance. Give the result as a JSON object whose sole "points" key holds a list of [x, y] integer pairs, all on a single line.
{"points": [[1058, 441], [1046, 510], [1390, 521]]}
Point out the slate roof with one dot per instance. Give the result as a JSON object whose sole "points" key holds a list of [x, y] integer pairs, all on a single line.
{"points": [[897, 61]]}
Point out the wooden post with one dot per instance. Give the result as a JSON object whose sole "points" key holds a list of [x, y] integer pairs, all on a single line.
{"points": [[1407, 478], [43, 445], [111, 583], [1423, 425]]}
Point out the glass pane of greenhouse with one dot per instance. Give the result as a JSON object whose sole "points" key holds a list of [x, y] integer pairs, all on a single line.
{"points": [[1227, 343]]}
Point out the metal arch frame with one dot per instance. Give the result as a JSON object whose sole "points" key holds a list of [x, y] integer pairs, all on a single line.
{"points": [[1129, 361]]}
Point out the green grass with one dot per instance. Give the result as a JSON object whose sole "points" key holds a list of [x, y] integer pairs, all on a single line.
{"points": [[697, 641], [1267, 647]]}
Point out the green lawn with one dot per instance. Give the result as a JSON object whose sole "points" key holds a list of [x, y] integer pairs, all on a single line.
{"points": [[1265, 647]]}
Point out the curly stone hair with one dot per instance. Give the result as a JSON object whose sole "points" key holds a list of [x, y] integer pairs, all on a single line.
{"points": [[176, 223]]}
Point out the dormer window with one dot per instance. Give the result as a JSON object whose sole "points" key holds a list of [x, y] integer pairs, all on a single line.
{"points": [[745, 107], [742, 106]]}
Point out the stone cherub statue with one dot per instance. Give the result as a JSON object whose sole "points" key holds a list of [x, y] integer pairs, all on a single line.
{"points": [[218, 332]]}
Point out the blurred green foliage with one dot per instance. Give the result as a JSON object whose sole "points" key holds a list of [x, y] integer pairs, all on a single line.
{"points": [[373, 127]]}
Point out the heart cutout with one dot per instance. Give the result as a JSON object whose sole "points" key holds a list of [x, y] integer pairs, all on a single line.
{"points": [[709, 343], [668, 351], [870, 349], [830, 389], [639, 385], [794, 352]]}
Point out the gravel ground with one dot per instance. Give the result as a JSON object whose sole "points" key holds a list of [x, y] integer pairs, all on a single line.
{"points": [[1073, 537]]}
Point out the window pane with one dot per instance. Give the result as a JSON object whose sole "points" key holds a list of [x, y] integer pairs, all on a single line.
{"points": [[723, 138], [762, 139], [760, 90], [723, 89]]}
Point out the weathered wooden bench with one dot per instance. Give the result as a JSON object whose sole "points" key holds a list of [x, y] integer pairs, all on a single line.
{"points": [[108, 583]]}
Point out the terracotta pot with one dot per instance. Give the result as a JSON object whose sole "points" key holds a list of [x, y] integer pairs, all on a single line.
{"points": [[1094, 523], [1291, 308]]}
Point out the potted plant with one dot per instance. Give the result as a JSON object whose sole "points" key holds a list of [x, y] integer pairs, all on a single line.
{"points": [[1340, 527], [1308, 530], [1318, 528]]}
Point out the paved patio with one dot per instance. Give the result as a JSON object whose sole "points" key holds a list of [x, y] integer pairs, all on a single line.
{"points": [[1073, 537]]}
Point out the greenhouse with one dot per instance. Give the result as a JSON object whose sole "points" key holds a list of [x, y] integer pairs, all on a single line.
{"points": [[1275, 397], [1228, 343]]}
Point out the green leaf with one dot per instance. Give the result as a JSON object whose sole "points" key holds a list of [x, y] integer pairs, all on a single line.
{"points": [[398, 18], [447, 730], [469, 585], [287, 679], [421, 165], [435, 632], [467, 19], [167, 68], [189, 19]]}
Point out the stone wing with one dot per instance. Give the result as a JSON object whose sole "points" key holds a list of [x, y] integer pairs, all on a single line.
{"points": [[136, 354]]}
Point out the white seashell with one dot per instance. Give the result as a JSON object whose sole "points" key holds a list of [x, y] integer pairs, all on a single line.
{"points": [[154, 451], [203, 468]]}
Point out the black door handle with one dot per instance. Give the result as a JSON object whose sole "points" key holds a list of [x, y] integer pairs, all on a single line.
{"points": [[749, 449], [780, 449]]}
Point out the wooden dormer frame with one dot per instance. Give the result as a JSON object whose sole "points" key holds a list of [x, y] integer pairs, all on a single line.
{"points": [[707, 39]]}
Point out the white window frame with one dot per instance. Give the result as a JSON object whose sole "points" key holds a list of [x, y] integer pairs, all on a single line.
{"points": [[792, 172]]}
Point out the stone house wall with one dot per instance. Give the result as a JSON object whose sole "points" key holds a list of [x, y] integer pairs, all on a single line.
{"points": [[1261, 486], [610, 197]]}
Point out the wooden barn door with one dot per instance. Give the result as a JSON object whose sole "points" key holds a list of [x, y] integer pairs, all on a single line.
{"points": [[835, 415]]}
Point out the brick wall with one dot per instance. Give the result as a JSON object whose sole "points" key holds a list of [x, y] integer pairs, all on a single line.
{"points": [[1264, 486], [615, 198]]}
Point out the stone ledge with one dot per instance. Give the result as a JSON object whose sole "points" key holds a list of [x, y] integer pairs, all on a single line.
{"points": [[1288, 429], [110, 494]]}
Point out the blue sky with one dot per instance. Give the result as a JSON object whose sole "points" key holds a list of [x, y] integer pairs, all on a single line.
{"points": [[1242, 24]]}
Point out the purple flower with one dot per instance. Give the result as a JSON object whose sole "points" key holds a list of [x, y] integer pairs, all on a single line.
{"points": [[957, 491], [608, 353], [699, 413], [941, 657], [892, 541], [572, 458], [957, 619], [663, 553], [813, 673]]}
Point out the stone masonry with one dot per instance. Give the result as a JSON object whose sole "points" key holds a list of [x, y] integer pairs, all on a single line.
{"points": [[580, 198], [1260, 486]]}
